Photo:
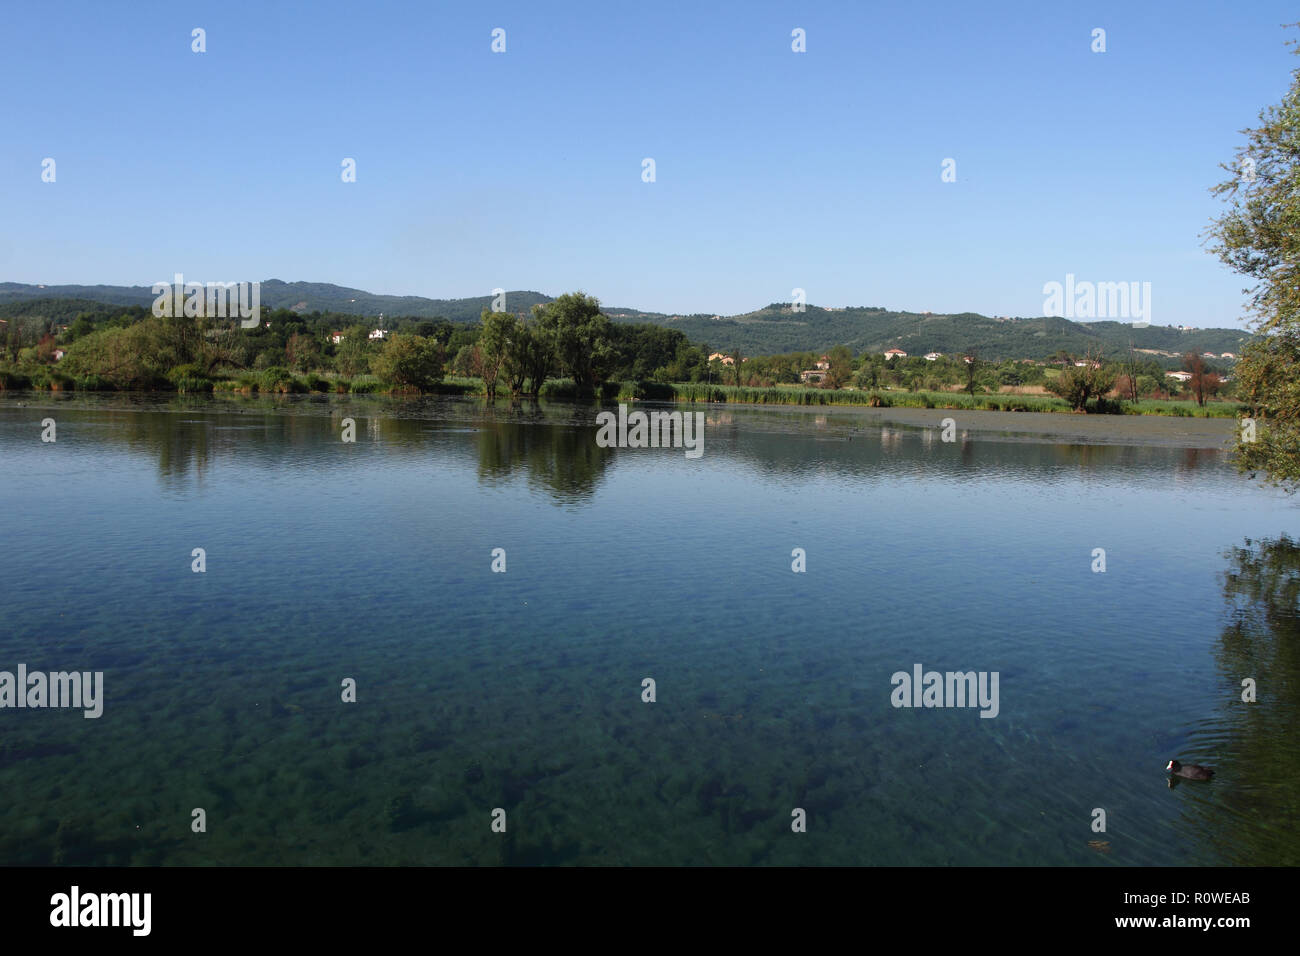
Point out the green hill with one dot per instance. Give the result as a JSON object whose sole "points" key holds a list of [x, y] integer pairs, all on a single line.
{"points": [[55, 311], [771, 330], [301, 296], [777, 329]]}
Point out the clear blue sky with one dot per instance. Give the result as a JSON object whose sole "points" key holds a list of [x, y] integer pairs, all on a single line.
{"points": [[523, 170]]}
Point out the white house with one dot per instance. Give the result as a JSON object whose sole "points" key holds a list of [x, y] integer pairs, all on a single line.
{"points": [[1181, 376], [894, 353], [933, 356], [1228, 355], [378, 333], [336, 337]]}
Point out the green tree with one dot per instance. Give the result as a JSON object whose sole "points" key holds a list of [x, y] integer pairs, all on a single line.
{"points": [[580, 337], [1080, 384], [973, 367], [302, 352], [22, 332], [644, 351], [1268, 381], [84, 325], [515, 366], [538, 354], [1258, 236], [467, 361], [841, 367], [689, 364], [494, 342], [353, 356], [132, 357], [869, 374], [409, 360]]}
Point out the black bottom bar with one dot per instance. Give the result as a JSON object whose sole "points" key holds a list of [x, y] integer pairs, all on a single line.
{"points": [[335, 905]]}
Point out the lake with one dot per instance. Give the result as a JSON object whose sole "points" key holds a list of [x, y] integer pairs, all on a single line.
{"points": [[372, 562]]}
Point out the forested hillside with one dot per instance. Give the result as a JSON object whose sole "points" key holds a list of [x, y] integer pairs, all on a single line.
{"points": [[777, 329], [774, 329]]}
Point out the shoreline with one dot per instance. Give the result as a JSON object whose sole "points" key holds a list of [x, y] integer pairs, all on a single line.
{"points": [[839, 422], [1167, 431]]}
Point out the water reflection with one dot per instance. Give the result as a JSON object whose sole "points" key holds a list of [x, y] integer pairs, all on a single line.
{"points": [[992, 523], [563, 460], [182, 445], [1250, 813], [553, 445]]}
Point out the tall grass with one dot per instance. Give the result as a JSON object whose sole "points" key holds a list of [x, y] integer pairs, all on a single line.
{"points": [[280, 380], [889, 398], [566, 389]]}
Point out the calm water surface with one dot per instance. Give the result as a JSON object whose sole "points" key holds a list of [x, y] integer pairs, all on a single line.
{"points": [[522, 690]]}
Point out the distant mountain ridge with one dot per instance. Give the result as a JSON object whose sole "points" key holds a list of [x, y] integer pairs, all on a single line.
{"points": [[774, 328], [301, 296], [777, 328]]}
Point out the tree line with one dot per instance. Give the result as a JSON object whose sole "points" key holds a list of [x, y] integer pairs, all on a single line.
{"points": [[511, 353], [129, 347]]}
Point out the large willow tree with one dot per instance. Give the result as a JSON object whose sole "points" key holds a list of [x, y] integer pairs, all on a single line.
{"points": [[1259, 237]]}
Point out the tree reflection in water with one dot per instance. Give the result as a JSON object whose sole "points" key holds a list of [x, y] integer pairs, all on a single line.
{"points": [[1251, 812]]}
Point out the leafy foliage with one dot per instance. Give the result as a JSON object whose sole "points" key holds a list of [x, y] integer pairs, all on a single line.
{"points": [[409, 360], [1079, 384], [1259, 237], [581, 337]]}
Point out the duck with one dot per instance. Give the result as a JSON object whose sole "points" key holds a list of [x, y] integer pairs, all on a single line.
{"points": [[1191, 771]]}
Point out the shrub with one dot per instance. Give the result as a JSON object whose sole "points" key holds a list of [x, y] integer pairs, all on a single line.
{"points": [[14, 380], [91, 383], [1078, 384], [649, 390], [1108, 406], [192, 386], [188, 379], [277, 378], [409, 361], [47, 379]]}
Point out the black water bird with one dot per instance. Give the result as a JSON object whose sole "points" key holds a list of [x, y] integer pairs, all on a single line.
{"points": [[1189, 772]]}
